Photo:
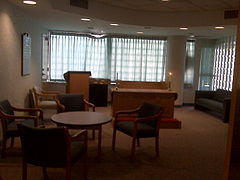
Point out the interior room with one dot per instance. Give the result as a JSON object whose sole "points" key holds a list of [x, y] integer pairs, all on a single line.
{"points": [[120, 52]]}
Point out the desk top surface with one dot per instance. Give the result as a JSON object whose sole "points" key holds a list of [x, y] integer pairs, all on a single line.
{"points": [[143, 90], [81, 118]]}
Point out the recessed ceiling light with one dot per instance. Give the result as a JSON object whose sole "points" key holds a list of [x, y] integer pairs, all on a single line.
{"points": [[165, 0], [139, 32], [183, 28], [31, 2], [85, 19], [114, 24], [219, 27]]}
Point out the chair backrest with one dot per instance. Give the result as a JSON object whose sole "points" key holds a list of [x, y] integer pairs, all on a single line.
{"points": [[6, 107], [72, 102], [148, 109], [220, 95], [32, 99], [45, 146]]}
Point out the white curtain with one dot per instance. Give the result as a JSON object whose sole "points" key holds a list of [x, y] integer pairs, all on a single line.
{"points": [[138, 59], [131, 58], [78, 53]]}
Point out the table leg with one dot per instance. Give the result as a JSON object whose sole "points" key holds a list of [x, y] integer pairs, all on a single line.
{"points": [[99, 142]]}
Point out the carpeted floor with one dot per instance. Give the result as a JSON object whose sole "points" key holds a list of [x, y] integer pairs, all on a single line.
{"points": [[196, 152]]}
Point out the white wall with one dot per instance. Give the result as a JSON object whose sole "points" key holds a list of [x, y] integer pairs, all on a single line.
{"points": [[176, 63], [14, 22]]}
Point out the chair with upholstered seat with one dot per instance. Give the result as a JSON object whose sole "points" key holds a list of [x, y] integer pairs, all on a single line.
{"points": [[142, 122], [52, 148], [9, 120], [74, 102], [43, 99]]}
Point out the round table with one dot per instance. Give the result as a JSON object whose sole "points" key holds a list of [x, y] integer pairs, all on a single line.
{"points": [[83, 120]]}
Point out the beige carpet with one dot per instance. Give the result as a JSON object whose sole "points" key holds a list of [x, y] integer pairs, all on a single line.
{"points": [[196, 152]]}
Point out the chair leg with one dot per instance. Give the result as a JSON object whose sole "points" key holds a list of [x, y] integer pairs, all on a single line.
{"points": [[85, 166], [138, 142], [24, 171], [133, 148], [157, 145], [12, 142], [114, 139], [68, 173], [45, 175], [4, 144]]}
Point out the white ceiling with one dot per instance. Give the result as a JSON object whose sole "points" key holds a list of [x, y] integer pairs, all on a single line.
{"points": [[153, 17]]}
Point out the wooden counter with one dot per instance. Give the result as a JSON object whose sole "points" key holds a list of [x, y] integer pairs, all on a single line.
{"points": [[125, 99]]}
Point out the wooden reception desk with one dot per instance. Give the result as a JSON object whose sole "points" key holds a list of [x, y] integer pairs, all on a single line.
{"points": [[125, 99]]}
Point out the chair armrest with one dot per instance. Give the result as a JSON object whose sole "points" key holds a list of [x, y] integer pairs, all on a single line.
{"points": [[226, 104], [30, 110], [14, 117], [89, 105], [60, 107]]}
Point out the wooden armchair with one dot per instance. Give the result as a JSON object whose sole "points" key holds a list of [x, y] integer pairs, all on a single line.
{"points": [[44, 99], [9, 121], [52, 148], [142, 122], [74, 102]]}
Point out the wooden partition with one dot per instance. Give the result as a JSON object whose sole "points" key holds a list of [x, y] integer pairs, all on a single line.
{"points": [[142, 85], [126, 99], [78, 82]]}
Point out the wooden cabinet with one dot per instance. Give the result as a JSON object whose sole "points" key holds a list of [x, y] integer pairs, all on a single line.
{"points": [[98, 94]]}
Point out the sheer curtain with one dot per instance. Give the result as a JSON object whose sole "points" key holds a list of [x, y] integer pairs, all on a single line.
{"points": [[77, 53], [189, 64], [132, 58], [138, 59]]}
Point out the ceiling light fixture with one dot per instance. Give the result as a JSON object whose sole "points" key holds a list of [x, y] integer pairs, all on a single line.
{"points": [[85, 19], [183, 28], [139, 32], [31, 2], [219, 27], [114, 24], [165, 0]]}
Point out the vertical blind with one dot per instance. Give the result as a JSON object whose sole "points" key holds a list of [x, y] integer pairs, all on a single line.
{"points": [[224, 63], [217, 64], [131, 58]]}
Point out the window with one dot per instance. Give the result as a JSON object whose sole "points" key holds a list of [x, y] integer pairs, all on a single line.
{"points": [[189, 64], [131, 58], [138, 59], [217, 64], [224, 63], [71, 52]]}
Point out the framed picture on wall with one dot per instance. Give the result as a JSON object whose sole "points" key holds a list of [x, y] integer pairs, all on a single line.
{"points": [[26, 54]]}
